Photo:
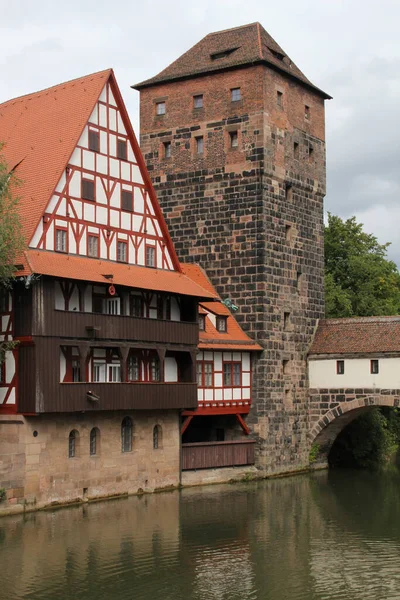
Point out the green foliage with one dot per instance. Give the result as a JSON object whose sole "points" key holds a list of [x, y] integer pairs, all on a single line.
{"points": [[11, 239], [313, 453], [368, 442], [359, 279], [3, 494]]}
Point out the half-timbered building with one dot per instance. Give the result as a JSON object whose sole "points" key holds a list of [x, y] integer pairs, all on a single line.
{"points": [[104, 319]]}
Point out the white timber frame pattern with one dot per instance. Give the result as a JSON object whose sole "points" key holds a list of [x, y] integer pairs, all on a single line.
{"points": [[8, 366], [218, 395], [132, 234]]}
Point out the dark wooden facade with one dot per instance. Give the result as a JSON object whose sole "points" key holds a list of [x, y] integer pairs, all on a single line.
{"points": [[43, 330], [207, 455]]}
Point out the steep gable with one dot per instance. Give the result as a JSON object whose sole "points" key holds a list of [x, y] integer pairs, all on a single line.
{"points": [[85, 188]]}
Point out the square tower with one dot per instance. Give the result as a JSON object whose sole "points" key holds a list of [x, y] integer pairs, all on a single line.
{"points": [[233, 137]]}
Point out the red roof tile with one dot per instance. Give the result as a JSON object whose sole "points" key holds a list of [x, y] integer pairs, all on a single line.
{"points": [[234, 338], [357, 335], [246, 45], [90, 269]]}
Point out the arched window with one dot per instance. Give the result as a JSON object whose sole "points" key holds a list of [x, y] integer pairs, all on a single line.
{"points": [[94, 441], [73, 444], [126, 434], [157, 437], [154, 368], [133, 368]]}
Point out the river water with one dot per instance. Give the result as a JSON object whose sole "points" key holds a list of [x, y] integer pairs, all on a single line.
{"points": [[330, 535]]}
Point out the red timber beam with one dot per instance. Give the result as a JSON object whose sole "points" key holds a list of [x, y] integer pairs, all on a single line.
{"points": [[242, 424], [186, 424]]}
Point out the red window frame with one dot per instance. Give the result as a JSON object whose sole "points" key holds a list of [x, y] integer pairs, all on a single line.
{"points": [[93, 235], [202, 364], [65, 230], [146, 262], [126, 251], [91, 181], [232, 364]]}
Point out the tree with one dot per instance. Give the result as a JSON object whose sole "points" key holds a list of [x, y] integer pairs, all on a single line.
{"points": [[359, 278], [11, 240]]}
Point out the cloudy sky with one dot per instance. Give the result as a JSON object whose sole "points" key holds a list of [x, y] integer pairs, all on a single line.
{"points": [[350, 48]]}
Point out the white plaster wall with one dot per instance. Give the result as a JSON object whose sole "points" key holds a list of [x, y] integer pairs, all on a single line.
{"points": [[322, 374]]}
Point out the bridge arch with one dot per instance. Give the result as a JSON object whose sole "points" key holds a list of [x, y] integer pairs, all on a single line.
{"points": [[325, 431]]}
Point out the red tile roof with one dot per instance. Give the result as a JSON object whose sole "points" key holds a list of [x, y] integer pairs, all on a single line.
{"points": [[40, 132], [90, 269], [234, 338], [357, 335], [246, 45]]}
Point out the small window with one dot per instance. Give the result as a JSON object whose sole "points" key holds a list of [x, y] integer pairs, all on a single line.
{"points": [[122, 252], [94, 439], [122, 149], [99, 371], [340, 367], [150, 256], [113, 306], [374, 367], [61, 240], [299, 281], [288, 232], [288, 192], [286, 367], [306, 112], [205, 374], [76, 370], [94, 140], [133, 368], [310, 151], [73, 440], [157, 437], [202, 322], [93, 246], [126, 434], [221, 324], [234, 139], [127, 200], [88, 189], [135, 306], [286, 321], [114, 373], [160, 108], [235, 94], [167, 149], [155, 369], [296, 150], [200, 144], [232, 374], [279, 99], [198, 101]]}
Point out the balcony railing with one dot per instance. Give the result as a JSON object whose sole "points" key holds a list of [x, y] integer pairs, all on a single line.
{"points": [[208, 455]]}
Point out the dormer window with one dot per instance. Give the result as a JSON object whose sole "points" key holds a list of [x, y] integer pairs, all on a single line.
{"points": [[222, 54], [202, 322], [276, 53], [221, 323]]}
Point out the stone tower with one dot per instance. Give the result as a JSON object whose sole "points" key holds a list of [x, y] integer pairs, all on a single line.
{"points": [[233, 136]]}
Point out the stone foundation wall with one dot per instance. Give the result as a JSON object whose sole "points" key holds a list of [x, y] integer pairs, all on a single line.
{"points": [[36, 471]]}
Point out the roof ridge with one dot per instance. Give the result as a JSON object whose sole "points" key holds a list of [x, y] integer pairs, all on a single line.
{"points": [[352, 320], [54, 87], [233, 28], [259, 39]]}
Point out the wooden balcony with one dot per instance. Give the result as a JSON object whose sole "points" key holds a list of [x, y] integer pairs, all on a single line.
{"points": [[209, 455]]}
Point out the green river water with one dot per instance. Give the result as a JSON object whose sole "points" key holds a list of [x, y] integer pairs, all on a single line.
{"points": [[329, 535]]}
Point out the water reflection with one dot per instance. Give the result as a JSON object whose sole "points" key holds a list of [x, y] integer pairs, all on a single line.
{"points": [[333, 535]]}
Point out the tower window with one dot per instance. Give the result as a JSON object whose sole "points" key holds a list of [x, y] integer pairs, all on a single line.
{"points": [[94, 140], [340, 367], [234, 139], [200, 145], [374, 367], [289, 192], [286, 321], [279, 98], [306, 112], [88, 189], [73, 441], [198, 101], [296, 149], [167, 149], [160, 108], [235, 94], [310, 151], [288, 232], [94, 438], [122, 150], [286, 367], [127, 200]]}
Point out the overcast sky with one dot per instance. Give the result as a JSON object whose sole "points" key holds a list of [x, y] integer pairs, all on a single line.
{"points": [[349, 48]]}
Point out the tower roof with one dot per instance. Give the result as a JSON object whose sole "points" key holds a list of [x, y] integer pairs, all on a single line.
{"points": [[230, 49]]}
